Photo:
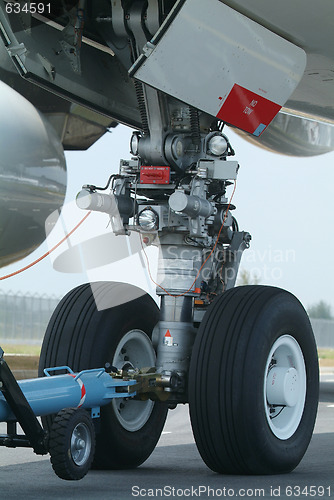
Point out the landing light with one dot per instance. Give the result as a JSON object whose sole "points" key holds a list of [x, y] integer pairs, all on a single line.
{"points": [[148, 219], [217, 145], [134, 143]]}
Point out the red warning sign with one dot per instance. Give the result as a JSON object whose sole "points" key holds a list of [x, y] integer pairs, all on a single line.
{"points": [[247, 110], [168, 339], [154, 175]]}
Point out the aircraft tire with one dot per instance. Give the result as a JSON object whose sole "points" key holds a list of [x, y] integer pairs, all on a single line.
{"points": [[82, 335], [254, 382]]}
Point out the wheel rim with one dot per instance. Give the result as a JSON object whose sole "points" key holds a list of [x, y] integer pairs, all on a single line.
{"points": [[135, 349], [285, 387], [81, 444]]}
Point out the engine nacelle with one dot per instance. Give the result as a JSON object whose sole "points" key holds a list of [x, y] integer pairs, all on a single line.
{"points": [[294, 136], [32, 175]]}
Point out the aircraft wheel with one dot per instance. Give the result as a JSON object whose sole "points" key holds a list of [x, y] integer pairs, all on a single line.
{"points": [[86, 331], [72, 443], [254, 382]]}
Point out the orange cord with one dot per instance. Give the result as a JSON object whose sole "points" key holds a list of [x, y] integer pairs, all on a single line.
{"points": [[141, 241], [208, 257], [47, 253]]}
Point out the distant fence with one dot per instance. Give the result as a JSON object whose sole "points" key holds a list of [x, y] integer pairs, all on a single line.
{"points": [[24, 318], [323, 332]]}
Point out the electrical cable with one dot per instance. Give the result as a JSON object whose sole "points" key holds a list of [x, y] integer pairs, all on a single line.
{"points": [[277, 414], [200, 269], [91, 187], [47, 253], [79, 26]]}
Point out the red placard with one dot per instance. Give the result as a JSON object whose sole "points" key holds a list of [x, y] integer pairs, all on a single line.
{"points": [[248, 111], [154, 175]]}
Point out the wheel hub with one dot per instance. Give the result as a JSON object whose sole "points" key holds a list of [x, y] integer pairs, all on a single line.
{"points": [[80, 444], [134, 351], [282, 386]]}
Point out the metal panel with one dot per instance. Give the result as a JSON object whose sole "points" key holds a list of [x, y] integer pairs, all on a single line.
{"points": [[223, 63], [93, 78]]}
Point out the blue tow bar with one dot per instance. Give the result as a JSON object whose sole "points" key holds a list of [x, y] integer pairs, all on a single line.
{"points": [[89, 389], [71, 437]]}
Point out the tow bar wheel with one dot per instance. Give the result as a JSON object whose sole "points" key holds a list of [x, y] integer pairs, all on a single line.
{"points": [[254, 382], [72, 443]]}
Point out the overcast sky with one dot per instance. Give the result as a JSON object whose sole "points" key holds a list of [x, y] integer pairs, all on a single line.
{"points": [[286, 203]]}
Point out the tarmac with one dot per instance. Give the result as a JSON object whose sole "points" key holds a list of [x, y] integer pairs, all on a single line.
{"points": [[176, 470]]}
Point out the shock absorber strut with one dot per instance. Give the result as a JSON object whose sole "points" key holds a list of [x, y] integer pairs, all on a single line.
{"points": [[178, 271]]}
